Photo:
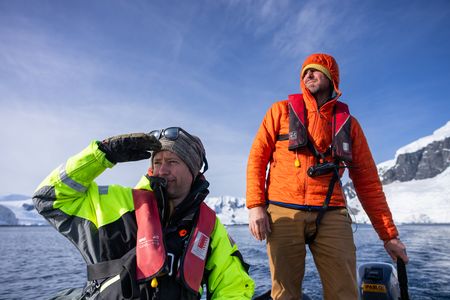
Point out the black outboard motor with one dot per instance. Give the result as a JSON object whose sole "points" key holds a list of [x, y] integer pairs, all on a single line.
{"points": [[377, 281]]}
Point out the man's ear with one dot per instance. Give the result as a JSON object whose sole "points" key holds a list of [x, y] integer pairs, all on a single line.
{"points": [[150, 171]]}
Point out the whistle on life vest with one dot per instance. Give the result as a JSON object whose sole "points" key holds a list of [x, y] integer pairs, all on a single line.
{"points": [[297, 161], [154, 282]]}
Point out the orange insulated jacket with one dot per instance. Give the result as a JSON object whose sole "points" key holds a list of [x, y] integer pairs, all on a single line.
{"points": [[288, 183]]}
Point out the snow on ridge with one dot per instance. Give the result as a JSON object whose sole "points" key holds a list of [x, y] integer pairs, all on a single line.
{"points": [[438, 135], [230, 210], [386, 165], [420, 201], [24, 212]]}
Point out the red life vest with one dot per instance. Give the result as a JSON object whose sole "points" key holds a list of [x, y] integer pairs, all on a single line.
{"points": [[341, 145], [194, 258], [150, 249]]}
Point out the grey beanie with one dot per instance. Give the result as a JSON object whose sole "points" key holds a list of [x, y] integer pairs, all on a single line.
{"points": [[190, 150]]}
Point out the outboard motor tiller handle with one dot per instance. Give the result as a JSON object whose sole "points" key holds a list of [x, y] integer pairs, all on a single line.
{"points": [[402, 279]]}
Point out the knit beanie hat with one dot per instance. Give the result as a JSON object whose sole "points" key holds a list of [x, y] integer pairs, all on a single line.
{"points": [[189, 148]]}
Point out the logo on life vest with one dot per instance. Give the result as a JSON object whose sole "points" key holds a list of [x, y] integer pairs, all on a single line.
{"points": [[293, 135], [345, 146], [144, 242], [200, 247]]}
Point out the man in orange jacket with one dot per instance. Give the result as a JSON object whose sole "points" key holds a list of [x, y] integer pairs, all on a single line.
{"points": [[307, 139]]}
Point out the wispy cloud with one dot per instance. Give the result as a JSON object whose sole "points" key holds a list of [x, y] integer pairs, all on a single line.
{"points": [[301, 27], [318, 26], [33, 57]]}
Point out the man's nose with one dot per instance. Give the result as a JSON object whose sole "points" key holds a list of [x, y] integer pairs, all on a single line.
{"points": [[164, 168]]}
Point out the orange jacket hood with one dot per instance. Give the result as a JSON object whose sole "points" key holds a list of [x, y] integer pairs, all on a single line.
{"points": [[328, 66]]}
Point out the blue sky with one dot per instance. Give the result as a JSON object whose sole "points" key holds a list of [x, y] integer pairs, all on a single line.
{"points": [[75, 71]]}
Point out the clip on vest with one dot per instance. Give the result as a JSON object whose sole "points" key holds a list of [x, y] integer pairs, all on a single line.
{"points": [[321, 169]]}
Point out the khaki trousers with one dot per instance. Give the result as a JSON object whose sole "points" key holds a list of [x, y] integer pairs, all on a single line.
{"points": [[333, 251]]}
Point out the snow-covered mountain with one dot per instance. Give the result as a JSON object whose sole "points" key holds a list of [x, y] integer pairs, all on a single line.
{"points": [[230, 210], [19, 212], [422, 159], [416, 183]]}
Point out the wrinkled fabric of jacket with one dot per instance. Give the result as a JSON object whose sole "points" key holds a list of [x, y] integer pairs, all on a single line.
{"points": [[288, 184], [100, 221]]}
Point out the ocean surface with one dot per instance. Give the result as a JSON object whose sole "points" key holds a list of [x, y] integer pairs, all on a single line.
{"points": [[37, 262]]}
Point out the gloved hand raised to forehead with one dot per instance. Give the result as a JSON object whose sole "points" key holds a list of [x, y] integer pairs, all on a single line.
{"points": [[129, 147]]}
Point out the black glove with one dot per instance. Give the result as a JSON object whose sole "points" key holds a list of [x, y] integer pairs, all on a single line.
{"points": [[129, 147]]}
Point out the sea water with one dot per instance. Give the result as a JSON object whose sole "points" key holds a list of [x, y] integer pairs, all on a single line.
{"points": [[37, 262]]}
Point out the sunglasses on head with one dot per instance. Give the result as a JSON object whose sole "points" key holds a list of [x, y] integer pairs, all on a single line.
{"points": [[172, 133]]}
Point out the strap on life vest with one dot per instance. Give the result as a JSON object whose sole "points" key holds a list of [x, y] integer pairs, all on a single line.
{"points": [[150, 249], [298, 137], [335, 178], [124, 268], [109, 268], [194, 258]]}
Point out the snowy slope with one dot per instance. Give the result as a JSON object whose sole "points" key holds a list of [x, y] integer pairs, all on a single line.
{"points": [[416, 201], [24, 213], [425, 199], [230, 210]]}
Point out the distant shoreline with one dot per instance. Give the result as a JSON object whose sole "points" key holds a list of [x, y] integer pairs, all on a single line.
{"points": [[356, 224], [368, 224]]}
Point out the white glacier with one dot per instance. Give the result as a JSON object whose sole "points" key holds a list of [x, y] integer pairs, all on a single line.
{"points": [[416, 201]]}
